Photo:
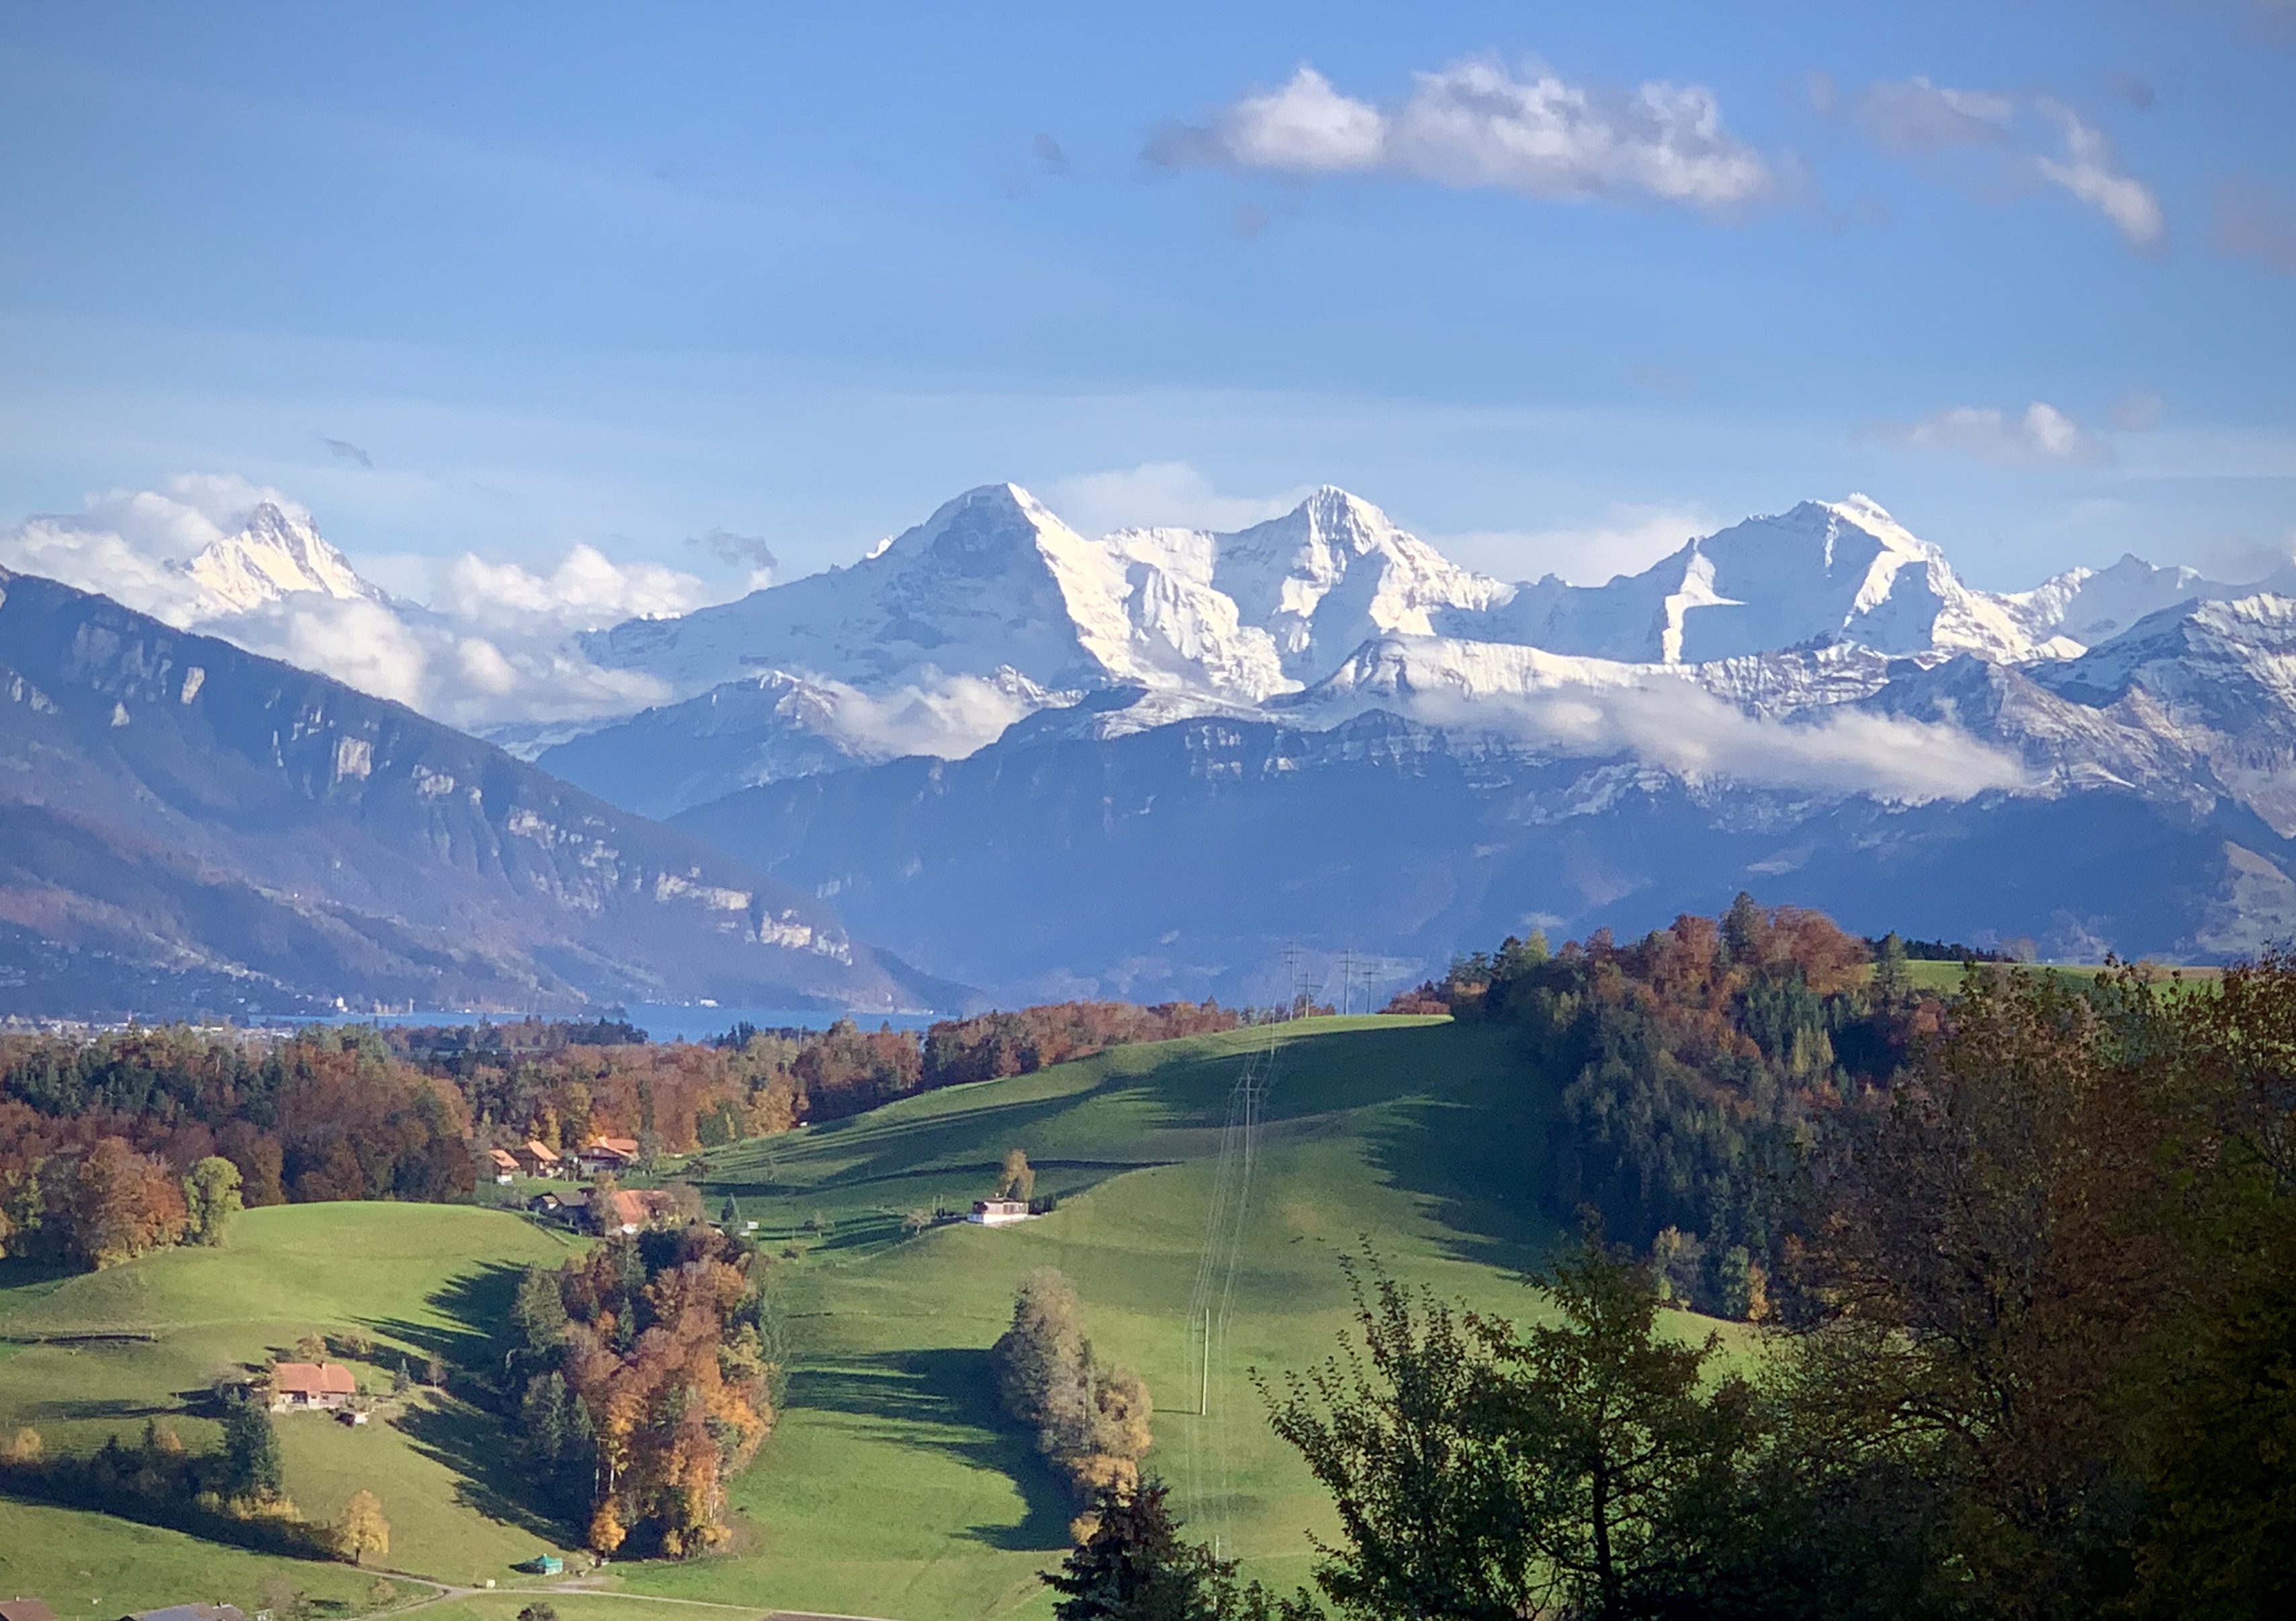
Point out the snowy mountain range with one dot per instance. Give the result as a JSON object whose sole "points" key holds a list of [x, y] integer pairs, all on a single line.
{"points": [[1814, 704], [1191, 749], [994, 608]]}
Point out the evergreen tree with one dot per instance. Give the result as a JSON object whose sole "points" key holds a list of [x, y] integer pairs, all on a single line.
{"points": [[1135, 1567], [250, 1450]]}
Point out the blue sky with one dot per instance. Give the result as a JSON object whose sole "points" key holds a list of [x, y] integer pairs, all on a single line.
{"points": [[547, 276]]}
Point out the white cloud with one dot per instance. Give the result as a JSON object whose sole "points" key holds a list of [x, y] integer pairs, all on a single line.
{"points": [[1477, 124], [587, 591], [496, 644], [949, 715], [1628, 540], [1915, 117], [2091, 173], [361, 644], [2041, 436], [2041, 142], [1677, 727], [1160, 494]]}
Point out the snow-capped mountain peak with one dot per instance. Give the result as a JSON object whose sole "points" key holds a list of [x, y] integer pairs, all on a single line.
{"points": [[277, 555]]}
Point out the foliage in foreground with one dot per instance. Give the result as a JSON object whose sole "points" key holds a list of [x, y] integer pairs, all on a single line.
{"points": [[2036, 1359]]}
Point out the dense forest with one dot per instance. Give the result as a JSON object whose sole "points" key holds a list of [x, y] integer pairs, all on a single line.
{"points": [[638, 1379], [1698, 1069]]}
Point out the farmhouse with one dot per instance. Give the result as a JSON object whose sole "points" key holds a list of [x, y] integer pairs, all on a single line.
{"points": [[607, 1154], [636, 1207], [502, 1164], [296, 1386], [999, 1212], [538, 1159], [566, 1204]]}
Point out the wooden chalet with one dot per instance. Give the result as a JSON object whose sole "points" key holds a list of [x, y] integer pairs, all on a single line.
{"points": [[298, 1387]]}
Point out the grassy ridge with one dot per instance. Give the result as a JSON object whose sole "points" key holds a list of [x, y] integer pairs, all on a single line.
{"points": [[414, 1277], [890, 1486]]}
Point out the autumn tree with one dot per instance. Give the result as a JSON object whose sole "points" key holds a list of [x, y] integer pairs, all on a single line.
{"points": [[1017, 1179], [1091, 1420], [363, 1532], [1988, 1262], [123, 1204]]}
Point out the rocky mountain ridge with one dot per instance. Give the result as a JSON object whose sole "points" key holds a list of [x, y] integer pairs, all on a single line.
{"points": [[184, 825]]}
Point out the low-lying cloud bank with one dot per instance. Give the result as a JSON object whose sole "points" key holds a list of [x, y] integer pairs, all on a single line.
{"points": [[1671, 724], [493, 644]]}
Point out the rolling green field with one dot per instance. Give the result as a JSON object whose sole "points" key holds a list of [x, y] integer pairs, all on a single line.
{"points": [[891, 1486], [1945, 977], [414, 1277]]}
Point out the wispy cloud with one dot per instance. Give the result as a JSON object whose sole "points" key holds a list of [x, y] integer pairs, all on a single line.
{"points": [[1626, 540], [2040, 435], [1478, 123], [2257, 221], [2038, 140], [747, 551], [1159, 495], [343, 450]]}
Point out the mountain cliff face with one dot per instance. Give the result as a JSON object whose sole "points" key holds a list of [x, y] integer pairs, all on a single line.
{"points": [[1189, 858], [182, 820]]}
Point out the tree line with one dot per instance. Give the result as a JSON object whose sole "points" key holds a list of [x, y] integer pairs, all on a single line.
{"points": [[116, 1144], [1089, 1419]]}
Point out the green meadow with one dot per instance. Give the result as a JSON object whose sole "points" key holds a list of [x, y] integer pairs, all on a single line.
{"points": [[890, 1486]]}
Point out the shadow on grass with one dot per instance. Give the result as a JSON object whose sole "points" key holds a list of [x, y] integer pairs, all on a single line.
{"points": [[475, 1305], [61, 1412], [945, 1402], [456, 1433], [488, 1477], [881, 1150]]}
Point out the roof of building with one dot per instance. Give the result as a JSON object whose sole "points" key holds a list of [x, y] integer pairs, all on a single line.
{"points": [[635, 1206], [503, 1157], [626, 1146], [540, 1150], [22, 1608], [1000, 1204], [191, 1612], [312, 1378]]}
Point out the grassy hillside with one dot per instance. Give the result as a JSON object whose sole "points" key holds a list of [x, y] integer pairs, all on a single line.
{"points": [[891, 1486], [414, 1277]]}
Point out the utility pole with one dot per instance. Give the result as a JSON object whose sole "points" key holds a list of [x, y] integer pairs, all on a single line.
{"points": [[1204, 1396]]}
